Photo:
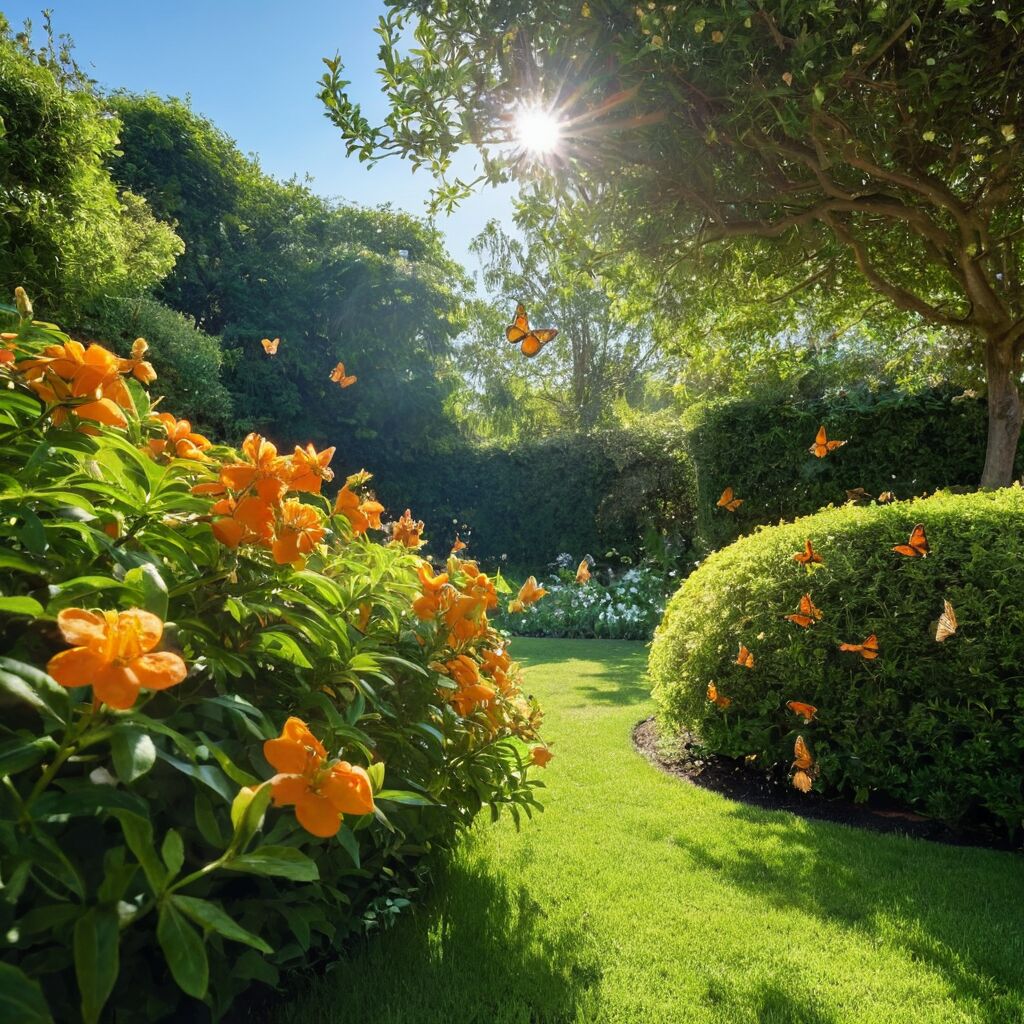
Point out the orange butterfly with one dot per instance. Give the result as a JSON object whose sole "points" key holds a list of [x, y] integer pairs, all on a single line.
{"points": [[808, 555], [532, 340], [745, 658], [806, 769], [947, 622], [459, 545], [857, 494], [728, 502], [805, 711], [885, 497], [868, 649], [822, 445], [583, 572], [917, 546], [342, 379], [270, 347], [807, 615], [716, 698]]}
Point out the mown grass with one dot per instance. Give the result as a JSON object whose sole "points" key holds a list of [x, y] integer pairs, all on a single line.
{"points": [[636, 898]]}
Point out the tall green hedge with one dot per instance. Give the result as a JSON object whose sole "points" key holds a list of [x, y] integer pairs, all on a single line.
{"points": [[524, 505], [908, 443]]}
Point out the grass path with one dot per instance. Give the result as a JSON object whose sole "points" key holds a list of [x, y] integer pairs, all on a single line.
{"points": [[638, 899]]}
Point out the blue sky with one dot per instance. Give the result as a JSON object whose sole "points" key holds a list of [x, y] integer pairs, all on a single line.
{"points": [[252, 67]]}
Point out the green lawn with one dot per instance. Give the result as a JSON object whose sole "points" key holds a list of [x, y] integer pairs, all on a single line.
{"points": [[637, 898]]}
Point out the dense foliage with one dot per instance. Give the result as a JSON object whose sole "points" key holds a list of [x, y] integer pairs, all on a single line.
{"points": [[907, 444], [67, 232], [372, 288], [869, 150], [933, 725], [609, 605], [233, 724]]}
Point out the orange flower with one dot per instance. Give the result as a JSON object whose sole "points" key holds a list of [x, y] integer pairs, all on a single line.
{"points": [[184, 443], [371, 511], [529, 593], [432, 600], [264, 470], [137, 365], [540, 756], [495, 661], [301, 530], [320, 790], [471, 692], [408, 531], [248, 521], [113, 653], [310, 469], [6, 347]]}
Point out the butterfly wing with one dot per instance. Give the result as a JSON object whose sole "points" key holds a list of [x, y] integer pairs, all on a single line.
{"points": [[803, 621], [805, 711], [869, 649], [947, 623], [820, 447], [270, 347], [520, 326], [801, 755], [745, 658], [802, 781], [582, 572], [919, 540], [725, 499], [833, 445]]}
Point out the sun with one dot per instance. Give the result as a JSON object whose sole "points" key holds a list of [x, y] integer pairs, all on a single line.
{"points": [[537, 130]]}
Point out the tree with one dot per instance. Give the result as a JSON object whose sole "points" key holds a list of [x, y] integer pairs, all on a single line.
{"points": [[372, 288], [607, 349], [870, 140], [67, 233]]}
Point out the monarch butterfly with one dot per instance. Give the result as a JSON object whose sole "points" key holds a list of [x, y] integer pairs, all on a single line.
{"points": [[270, 347], [916, 546], [583, 572], [728, 502], [947, 622], [868, 649], [806, 769], [532, 340], [807, 615], [342, 379], [805, 711], [822, 445], [716, 698], [745, 658], [459, 545], [808, 554], [857, 494]]}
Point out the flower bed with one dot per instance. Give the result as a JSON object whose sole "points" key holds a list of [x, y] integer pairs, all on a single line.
{"points": [[231, 727]]}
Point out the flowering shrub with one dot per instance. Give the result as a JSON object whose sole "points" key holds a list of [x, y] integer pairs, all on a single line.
{"points": [[628, 606], [234, 715]]}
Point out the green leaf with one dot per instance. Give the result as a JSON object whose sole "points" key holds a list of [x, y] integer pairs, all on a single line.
{"points": [[17, 754], [87, 799], [376, 773], [20, 606], [172, 852], [29, 684], [212, 917], [21, 998], [96, 939], [134, 752], [348, 839], [151, 588], [404, 796], [183, 949], [278, 862], [208, 774], [138, 833], [247, 810], [206, 821], [9, 560]]}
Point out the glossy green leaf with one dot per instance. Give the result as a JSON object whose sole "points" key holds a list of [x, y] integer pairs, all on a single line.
{"points": [[184, 950], [96, 940]]}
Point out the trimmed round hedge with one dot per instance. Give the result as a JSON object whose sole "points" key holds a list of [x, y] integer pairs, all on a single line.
{"points": [[938, 726]]}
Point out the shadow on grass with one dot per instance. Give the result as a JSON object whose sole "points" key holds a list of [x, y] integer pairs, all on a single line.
{"points": [[475, 954], [942, 907], [610, 672]]}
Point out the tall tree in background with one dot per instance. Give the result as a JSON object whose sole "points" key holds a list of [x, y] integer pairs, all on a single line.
{"points": [[373, 288], [879, 139], [606, 351], [68, 234]]}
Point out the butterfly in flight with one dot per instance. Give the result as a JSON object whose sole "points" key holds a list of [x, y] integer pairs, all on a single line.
{"points": [[805, 711], [583, 572], [808, 555], [858, 494], [822, 445], [885, 497], [947, 622], [807, 615], [806, 769], [716, 698], [533, 340], [745, 658], [728, 502], [342, 379], [868, 649], [270, 347], [916, 546]]}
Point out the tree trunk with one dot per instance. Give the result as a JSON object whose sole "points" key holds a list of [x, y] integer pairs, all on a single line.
{"points": [[1005, 413]]}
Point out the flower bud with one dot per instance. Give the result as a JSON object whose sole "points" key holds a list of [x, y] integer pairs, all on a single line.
{"points": [[23, 302]]}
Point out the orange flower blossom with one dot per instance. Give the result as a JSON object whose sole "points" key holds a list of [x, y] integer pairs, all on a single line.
{"points": [[263, 470], [300, 531], [113, 653], [321, 790], [408, 531], [435, 591], [471, 692], [310, 469], [137, 364], [363, 514], [184, 444], [529, 593]]}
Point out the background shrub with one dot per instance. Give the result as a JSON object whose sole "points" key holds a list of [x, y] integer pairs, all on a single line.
{"points": [[908, 443], [938, 726]]}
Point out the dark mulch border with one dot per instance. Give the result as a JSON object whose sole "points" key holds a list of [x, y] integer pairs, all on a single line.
{"points": [[733, 779]]}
